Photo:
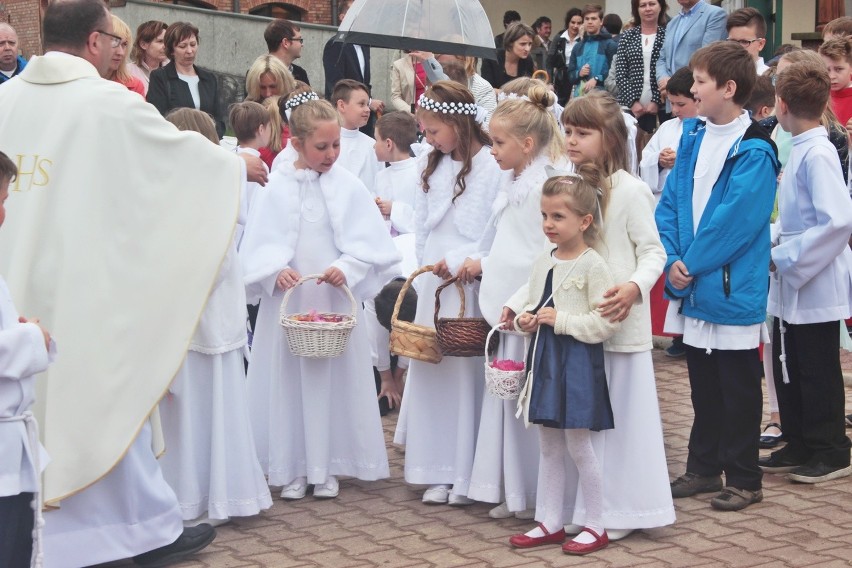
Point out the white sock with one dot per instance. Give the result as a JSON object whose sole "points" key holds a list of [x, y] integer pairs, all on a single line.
{"points": [[579, 445], [552, 476]]}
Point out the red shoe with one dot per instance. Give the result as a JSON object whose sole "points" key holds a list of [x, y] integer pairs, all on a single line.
{"points": [[524, 541], [576, 548]]}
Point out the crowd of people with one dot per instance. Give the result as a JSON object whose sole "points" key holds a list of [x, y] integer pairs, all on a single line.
{"points": [[580, 195]]}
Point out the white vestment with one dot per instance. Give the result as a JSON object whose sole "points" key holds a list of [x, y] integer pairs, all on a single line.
{"points": [[399, 183], [315, 417], [666, 136], [358, 155], [115, 245]]}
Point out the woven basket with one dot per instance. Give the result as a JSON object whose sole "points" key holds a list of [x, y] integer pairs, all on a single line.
{"points": [[502, 384], [461, 336], [411, 340], [317, 339]]}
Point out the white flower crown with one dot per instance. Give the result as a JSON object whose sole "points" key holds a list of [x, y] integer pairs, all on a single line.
{"points": [[300, 99], [426, 103], [501, 96]]}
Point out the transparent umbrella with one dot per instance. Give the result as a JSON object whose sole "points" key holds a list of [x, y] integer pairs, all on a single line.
{"points": [[455, 27]]}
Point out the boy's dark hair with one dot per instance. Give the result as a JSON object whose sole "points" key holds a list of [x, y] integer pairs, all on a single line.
{"points": [[69, 24], [727, 61], [8, 169], [838, 27], [839, 49], [246, 117], [344, 88], [591, 9], [763, 95], [455, 71], [510, 16], [747, 18], [540, 21], [570, 14], [386, 300], [804, 87], [399, 127], [680, 83], [277, 31], [612, 23]]}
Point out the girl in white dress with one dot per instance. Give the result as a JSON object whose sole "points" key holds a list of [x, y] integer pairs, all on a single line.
{"points": [[526, 138], [636, 484], [209, 459], [440, 411], [314, 418]]}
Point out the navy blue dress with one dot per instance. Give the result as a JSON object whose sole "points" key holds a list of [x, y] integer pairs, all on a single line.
{"points": [[569, 387]]}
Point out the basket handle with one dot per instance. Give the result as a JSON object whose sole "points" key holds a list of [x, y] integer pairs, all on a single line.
{"points": [[304, 279], [404, 290], [459, 287], [488, 340]]}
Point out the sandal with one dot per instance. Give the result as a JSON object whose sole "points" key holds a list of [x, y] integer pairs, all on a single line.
{"points": [[770, 440]]}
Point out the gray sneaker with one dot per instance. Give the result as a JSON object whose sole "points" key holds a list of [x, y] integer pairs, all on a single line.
{"points": [[690, 484], [733, 499]]}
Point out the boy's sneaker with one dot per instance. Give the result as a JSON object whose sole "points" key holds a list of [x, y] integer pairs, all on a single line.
{"points": [[733, 499], [819, 472], [690, 484], [676, 349], [779, 462]]}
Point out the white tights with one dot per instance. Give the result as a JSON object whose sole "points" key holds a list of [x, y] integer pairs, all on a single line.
{"points": [[554, 443]]}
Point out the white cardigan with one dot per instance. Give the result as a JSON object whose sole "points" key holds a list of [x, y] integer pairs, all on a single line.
{"points": [[631, 246]]}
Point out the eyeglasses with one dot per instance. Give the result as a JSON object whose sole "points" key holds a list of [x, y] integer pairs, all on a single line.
{"points": [[115, 40], [299, 39], [745, 42]]}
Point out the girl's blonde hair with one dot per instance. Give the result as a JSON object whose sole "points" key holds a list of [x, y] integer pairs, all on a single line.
{"points": [[582, 192], [273, 66], [121, 75], [271, 105], [828, 119], [466, 129], [599, 111], [532, 118], [196, 120], [305, 118]]}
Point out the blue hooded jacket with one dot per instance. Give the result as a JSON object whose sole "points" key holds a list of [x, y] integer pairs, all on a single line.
{"points": [[21, 64], [596, 50], [728, 256]]}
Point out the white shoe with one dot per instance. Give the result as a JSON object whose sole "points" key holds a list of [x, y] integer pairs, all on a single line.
{"points": [[459, 500], [328, 490], [526, 514], [618, 534], [204, 519], [574, 529], [437, 495], [295, 490], [501, 511]]}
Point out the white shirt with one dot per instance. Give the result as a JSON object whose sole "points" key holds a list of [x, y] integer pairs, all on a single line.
{"points": [[358, 155], [666, 136], [192, 81]]}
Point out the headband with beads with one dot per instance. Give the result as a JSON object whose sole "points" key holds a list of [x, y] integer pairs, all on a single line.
{"points": [[301, 99], [426, 103]]}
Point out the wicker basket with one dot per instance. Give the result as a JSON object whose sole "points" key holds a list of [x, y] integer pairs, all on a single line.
{"points": [[502, 384], [317, 339], [460, 336], [411, 340]]}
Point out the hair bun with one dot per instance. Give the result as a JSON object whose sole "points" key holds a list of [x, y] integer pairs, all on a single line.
{"points": [[590, 173], [540, 95]]}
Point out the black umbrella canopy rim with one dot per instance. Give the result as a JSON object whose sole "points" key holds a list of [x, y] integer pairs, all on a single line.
{"points": [[410, 43]]}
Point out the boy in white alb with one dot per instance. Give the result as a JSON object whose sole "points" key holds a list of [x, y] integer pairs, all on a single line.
{"points": [[25, 350], [352, 101], [251, 124], [659, 154], [811, 285]]}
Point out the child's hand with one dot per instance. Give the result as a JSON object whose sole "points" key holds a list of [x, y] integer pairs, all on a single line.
{"points": [[384, 206], [507, 318], [849, 128], [618, 301], [469, 270], [390, 389], [585, 70], [527, 322], [546, 316], [667, 158], [589, 86], [679, 275], [44, 332], [441, 270], [287, 278], [333, 276]]}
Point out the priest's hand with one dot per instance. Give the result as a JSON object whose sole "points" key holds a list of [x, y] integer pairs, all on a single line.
{"points": [[255, 169], [441, 270], [44, 332], [287, 278], [470, 270], [507, 318], [333, 276]]}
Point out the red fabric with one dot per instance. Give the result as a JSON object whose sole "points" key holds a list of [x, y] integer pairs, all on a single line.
{"points": [[841, 104], [419, 81], [134, 84], [659, 305], [268, 156]]}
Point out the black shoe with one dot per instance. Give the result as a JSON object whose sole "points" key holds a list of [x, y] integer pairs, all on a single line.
{"points": [[779, 462], [690, 484], [188, 543], [819, 472], [733, 499]]}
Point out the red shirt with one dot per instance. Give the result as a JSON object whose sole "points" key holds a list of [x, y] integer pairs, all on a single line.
{"points": [[841, 104]]}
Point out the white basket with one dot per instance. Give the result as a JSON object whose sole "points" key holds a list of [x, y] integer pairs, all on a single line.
{"points": [[317, 339], [502, 384]]}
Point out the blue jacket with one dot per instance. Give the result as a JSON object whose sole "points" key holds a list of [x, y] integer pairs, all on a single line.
{"points": [[597, 51], [21, 64], [728, 256]]}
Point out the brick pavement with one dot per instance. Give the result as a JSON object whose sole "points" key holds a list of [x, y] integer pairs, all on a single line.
{"points": [[384, 524]]}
